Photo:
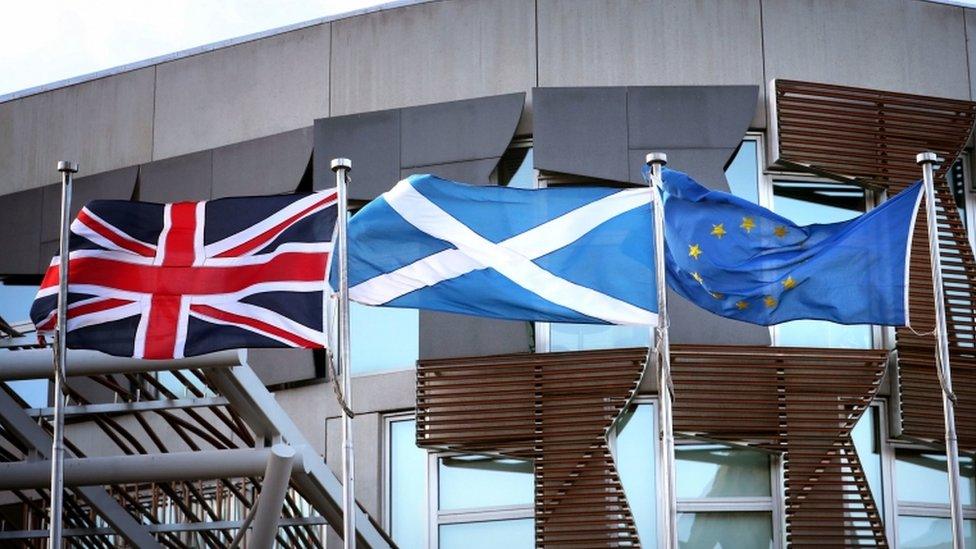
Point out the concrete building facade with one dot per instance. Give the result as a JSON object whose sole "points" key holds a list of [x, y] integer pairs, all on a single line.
{"points": [[505, 92]]}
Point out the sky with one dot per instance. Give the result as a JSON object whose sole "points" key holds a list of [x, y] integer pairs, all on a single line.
{"points": [[44, 41]]}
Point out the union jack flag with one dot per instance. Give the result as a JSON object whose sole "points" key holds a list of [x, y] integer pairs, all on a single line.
{"points": [[161, 281]]}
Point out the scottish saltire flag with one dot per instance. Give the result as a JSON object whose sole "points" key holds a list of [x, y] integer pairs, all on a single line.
{"points": [[742, 261], [174, 280], [560, 255]]}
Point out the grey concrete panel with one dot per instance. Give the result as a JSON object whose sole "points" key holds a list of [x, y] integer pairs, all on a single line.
{"points": [[308, 407], [692, 324], [113, 185], [476, 172], [431, 52], [102, 124], [367, 433], [47, 252], [21, 232], [445, 335], [684, 117], [187, 177], [246, 91], [898, 45], [653, 42], [268, 165], [458, 130], [371, 141], [970, 18], [274, 366], [581, 131]]}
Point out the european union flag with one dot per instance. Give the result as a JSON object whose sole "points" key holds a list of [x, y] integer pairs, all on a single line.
{"points": [[742, 261]]}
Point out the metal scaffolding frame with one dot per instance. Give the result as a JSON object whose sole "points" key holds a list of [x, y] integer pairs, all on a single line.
{"points": [[192, 469]]}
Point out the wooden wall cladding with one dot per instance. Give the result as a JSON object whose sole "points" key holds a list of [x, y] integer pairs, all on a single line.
{"points": [[558, 408], [872, 137]]}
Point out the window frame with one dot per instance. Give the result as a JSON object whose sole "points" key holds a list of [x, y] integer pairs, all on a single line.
{"points": [[386, 470]]}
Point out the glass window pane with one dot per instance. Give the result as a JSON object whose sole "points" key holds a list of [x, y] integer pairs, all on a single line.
{"points": [[383, 338], [931, 533], [805, 202], [719, 471], [956, 178], [867, 442], [523, 176], [477, 481], [726, 530], [636, 465], [921, 477], [581, 337], [408, 492], [508, 534], [743, 172]]}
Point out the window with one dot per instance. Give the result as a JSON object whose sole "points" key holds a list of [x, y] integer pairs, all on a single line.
{"points": [[963, 190], [725, 495], [383, 338], [472, 501], [15, 304], [921, 486]]}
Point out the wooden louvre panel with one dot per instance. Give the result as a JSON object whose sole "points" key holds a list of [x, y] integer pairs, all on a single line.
{"points": [[558, 408], [872, 137]]}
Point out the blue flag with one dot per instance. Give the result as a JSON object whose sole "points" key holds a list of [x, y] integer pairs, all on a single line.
{"points": [[572, 254], [742, 261]]}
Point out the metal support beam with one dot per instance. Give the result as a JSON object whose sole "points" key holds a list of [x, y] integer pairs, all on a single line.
{"points": [[13, 418], [172, 467], [316, 482], [168, 528], [272, 498], [130, 407], [36, 364]]}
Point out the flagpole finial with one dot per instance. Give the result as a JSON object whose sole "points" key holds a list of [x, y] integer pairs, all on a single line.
{"points": [[656, 158], [66, 166], [928, 157], [341, 163]]}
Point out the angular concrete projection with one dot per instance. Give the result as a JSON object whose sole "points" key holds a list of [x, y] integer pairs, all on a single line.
{"points": [[242, 92], [895, 45], [103, 124], [435, 51], [650, 42]]}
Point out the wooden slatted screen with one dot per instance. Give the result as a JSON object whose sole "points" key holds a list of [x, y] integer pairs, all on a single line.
{"points": [[557, 409], [872, 137]]}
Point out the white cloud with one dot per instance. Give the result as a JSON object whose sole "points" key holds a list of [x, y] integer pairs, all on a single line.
{"points": [[44, 41]]}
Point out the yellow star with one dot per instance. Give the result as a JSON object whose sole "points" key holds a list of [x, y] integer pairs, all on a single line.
{"points": [[770, 301], [718, 231], [697, 278], [748, 224], [741, 305], [694, 250], [780, 231], [717, 295], [789, 283]]}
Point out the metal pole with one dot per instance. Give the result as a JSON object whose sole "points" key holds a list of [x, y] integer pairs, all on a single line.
{"points": [[669, 530], [927, 160], [274, 486], [60, 357], [341, 167]]}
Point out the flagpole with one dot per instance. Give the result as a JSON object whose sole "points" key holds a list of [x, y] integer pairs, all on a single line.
{"points": [[927, 160], [60, 358], [341, 167], [669, 530]]}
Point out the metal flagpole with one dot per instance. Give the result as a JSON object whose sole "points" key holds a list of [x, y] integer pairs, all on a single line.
{"points": [[669, 530], [341, 167], [60, 358], [927, 160]]}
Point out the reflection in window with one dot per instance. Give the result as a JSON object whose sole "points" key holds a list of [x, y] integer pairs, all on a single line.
{"points": [[506, 534], [475, 481], [931, 533], [581, 337], [15, 304], [516, 168], [408, 479], [743, 172], [922, 477], [867, 441], [738, 530], [806, 202], [383, 338], [730, 482]]}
